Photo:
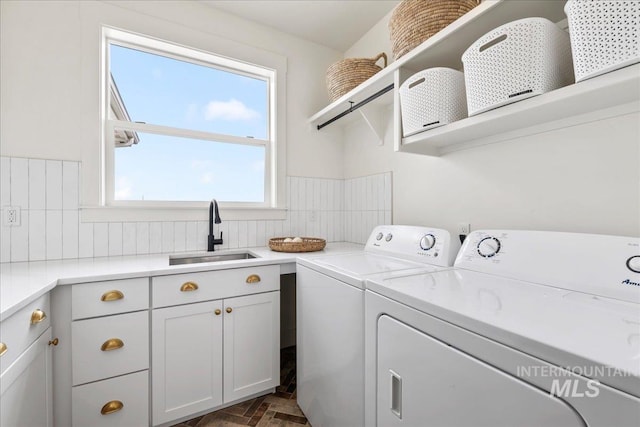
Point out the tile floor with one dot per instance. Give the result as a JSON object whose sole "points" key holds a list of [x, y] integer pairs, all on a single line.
{"points": [[276, 409]]}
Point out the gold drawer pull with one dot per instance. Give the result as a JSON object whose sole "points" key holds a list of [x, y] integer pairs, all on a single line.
{"points": [[54, 342], [112, 296], [37, 316], [229, 310], [254, 278], [217, 312], [188, 287], [111, 407], [112, 344], [3, 348]]}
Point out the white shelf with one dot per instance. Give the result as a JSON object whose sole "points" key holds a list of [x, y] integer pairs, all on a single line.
{"points": [[594, 99], [444, 49]]}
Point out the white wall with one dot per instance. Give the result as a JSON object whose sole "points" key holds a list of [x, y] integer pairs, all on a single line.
{"points": [[50, 103], [583, 178]]}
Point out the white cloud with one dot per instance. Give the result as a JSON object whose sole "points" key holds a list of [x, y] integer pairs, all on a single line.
{"points": [[123, 188], [206, 178], [229, 110]]}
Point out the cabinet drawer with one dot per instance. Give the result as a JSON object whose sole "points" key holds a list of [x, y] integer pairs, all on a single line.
{"points": [[195, 287], [130, 393], [110, 297], [109, 346], [22, 329]]}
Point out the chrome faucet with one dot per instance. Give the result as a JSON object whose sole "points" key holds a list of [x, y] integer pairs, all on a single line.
{"points": [[213, 211]]}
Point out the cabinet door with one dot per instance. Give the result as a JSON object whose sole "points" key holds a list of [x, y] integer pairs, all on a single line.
{"points": [[251, 344], [25, 387], [187, 360]]}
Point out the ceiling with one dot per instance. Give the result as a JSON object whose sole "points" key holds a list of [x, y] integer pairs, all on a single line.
{"points": [[337, 24]]}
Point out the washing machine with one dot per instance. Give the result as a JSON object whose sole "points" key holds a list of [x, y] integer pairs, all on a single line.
{"points": [[528, 329], [330, 316]]}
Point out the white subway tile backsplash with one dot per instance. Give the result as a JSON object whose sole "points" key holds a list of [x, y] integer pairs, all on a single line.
{"points": [[54, 234], [37, 184], [155, 237], [180, 236], [115, 238], [70, 185], [53, 171], [142, 238], [48, 193], [129, 238], [5, 244], [100, 239], [85, 240], [20, 182], [191, 239], [20, 239], [37, 232], [70, 234], [167, 236]]}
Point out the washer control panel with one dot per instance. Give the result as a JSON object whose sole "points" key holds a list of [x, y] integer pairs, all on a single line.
{"points": [[601, 265], [424, 244]]}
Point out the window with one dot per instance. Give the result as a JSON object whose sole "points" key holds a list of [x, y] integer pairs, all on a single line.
{"points": [[183, 125]]}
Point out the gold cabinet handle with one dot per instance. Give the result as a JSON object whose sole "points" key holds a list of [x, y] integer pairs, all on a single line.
{"points": [[188, 287], [229, 310], [111, 407], [254, 278], [3, 348], [112, 344], [38, 316], [112, 296], [217, 312], [54, 342]]}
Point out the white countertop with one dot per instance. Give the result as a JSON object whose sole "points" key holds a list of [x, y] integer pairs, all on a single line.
{"points": [[23, 282]]}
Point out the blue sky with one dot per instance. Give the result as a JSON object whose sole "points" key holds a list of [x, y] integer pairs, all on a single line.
{"points": [[164, 91]]}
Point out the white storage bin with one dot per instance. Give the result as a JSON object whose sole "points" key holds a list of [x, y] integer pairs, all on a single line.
{"points": [[605, 35], [432, 98], [516, 61]]}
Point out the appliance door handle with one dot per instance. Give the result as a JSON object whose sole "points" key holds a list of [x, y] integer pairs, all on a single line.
{"points": [[396, 394]]}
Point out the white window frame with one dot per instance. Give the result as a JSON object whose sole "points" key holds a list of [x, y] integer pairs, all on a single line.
{"points": [[199, 57]]}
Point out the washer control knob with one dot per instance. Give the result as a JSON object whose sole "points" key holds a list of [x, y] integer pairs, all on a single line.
{"points": [[379, 236], [488, 247], [633, 263], [427, 242], [389, 237]]}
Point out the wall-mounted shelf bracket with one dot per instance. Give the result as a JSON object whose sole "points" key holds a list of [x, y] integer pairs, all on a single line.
{"points": [[354, 107], [375, 119]]}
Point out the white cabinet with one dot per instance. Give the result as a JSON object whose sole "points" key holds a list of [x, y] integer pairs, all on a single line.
{"points": [[251, 344], [102, 358], [25, 387], [187, 360], [209, 353]]}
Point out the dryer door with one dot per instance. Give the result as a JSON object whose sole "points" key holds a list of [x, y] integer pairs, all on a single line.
{"points": [[424, 382]]}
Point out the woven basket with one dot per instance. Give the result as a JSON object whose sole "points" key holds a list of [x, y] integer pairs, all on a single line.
{"points": [[308, 244], [347, 74], [414, 21]]}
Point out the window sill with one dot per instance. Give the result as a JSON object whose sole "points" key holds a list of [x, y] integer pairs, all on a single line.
{"points": [[139, 214]]}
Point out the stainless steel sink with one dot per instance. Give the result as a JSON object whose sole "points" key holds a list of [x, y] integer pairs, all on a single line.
{"points": [[197, 259]]}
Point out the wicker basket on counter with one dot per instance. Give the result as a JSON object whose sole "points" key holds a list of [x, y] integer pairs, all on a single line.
{"points": [[347, 74], [308, 244], [414, 21]]}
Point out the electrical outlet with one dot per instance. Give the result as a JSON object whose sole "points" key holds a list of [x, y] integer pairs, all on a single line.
{"points": [[11, 215], [464, 228], [313, 216]]}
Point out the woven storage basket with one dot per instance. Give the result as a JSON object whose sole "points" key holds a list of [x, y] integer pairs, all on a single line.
{"points": [[605, 35], [347, 74], [308, 244], [414, 21], [516, 61], [432, 98]]}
